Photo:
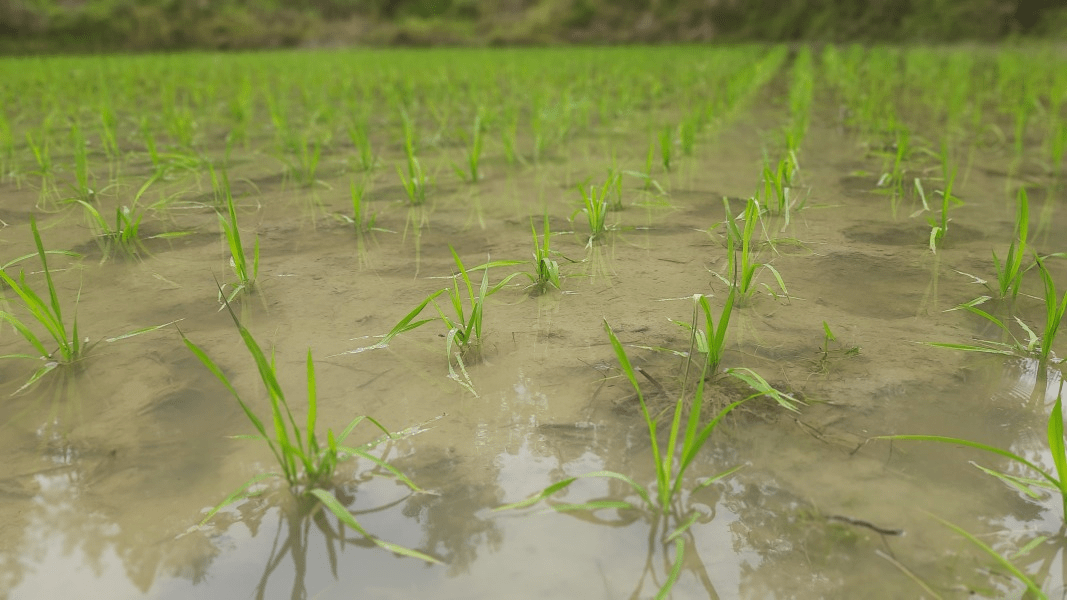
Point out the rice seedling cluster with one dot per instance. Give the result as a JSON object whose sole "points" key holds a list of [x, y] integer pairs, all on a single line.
{"points": [[772, 192]]}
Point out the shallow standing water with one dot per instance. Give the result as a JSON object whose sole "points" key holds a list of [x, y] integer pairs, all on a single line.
{"points": [[107, 467]]}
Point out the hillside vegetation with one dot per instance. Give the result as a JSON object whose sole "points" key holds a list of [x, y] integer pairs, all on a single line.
{"points": [[33, 26]]}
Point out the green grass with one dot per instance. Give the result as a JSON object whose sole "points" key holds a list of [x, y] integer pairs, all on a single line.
{"points": [[307, 464]]}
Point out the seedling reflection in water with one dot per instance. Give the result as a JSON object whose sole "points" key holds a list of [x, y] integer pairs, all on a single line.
{"points": [[307, 465]]}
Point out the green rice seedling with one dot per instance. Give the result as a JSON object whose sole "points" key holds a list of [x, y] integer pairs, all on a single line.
{"points": [[474, 152], [463, 338], [43, 157], [1036, 345], [1054, 437], [665, 143], [307, 465], [671, 457], [414, 182], [509, 136], [595, 206], [687, 134], [47, 313], [362, 219], [245, 270], [1054, 310], [357, 133], [710, 341], [7, 147], [744, 272], [892, 179], [546, 269], [938, 228], [83, 185], [777, 190], [1010, 272], [304, 163]]}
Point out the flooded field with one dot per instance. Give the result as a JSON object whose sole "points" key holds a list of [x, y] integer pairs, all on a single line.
{"points": [[837, 211]]}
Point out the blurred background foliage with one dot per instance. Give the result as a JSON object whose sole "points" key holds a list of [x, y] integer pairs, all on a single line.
{"points": [[33, 26]]}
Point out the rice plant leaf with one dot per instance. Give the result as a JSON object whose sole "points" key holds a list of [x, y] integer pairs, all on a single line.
{"points": [[334, 505], [381, 463], [594, 505], [977, 445], [1056, 446], [676, 569], [967, 348], [237, 495], [1020, 483], [143, 330], [1004, 562], [714, 478]]}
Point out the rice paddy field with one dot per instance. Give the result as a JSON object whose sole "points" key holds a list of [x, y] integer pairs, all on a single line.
{"points": [[538, 323]]}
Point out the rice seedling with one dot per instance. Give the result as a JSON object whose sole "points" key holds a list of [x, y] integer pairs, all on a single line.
{"points": [[307, 465], [595, 206], [1056, 482], [474, 152], [777, 190], [666, 501], [687, 134], [893, 176], [744, 272], [546, 269], [357, 133], [48, 315], [43, 157], [463, 338], [83, 185], [665, 144], [938, 228], [1036, 345], [245, 270], [303, 165], [362, 219], [1010, 272]]}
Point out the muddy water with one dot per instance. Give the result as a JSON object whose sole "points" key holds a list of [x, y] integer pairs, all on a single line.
{"points": [[107, 467]]}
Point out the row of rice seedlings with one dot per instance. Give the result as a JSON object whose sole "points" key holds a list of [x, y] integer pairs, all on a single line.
{"points": [[801, 96], [307, 465]]}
